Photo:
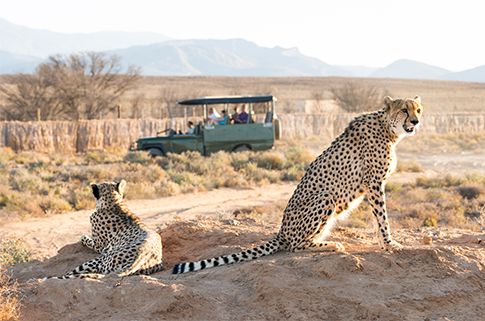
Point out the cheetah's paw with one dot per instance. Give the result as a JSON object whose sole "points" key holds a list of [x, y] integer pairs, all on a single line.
{"points": [[393, 246]]}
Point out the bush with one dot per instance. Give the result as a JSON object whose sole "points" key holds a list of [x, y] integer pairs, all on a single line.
{"points": [[81, 198], [9, 301], [270, 161], [471, 191], [139, 157], [14, 251], [410, 166], [296, 155]]}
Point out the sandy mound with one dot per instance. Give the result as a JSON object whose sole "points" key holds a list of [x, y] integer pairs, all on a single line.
{"points": [[443, 280]]}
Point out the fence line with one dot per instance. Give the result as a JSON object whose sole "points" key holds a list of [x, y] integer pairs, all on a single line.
{"points": [[86, 135]]}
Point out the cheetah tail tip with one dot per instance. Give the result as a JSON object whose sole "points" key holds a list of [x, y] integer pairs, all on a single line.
{"points": [[175, 269]]}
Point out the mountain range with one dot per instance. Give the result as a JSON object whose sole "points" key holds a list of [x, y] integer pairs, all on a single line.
{"points": [[22, 48]]}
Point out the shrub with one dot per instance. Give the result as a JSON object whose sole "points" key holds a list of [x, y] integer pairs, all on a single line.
{"points": [[471, 191], [270, 161], [52, 204], [239, 160], [23, 181], [294, 173], [14, 251], [81, 198], [299, 156], [139, 157], [445, 181], [168, 188], [410, 166], [9, 301]]}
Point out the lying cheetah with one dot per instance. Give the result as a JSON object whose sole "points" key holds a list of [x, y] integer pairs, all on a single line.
{"points": [[357, 163], [126, 245]]}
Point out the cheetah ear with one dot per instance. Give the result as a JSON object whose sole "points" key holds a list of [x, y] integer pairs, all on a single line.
{"points": [[121, 186], [418, 99], [95, 189], [388, 102]]}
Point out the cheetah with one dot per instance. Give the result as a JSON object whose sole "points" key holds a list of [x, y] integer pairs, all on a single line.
{"points": [[356, 164], [126, 245]]}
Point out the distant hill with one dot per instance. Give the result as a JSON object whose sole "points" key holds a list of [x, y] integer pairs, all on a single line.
{"points": [[359, 71], [476, 74], [42, 43], [233, 57], [22, 48], [409, 69], [13, 63]]}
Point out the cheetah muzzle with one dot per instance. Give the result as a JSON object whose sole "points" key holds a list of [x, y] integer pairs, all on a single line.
{"points": [[356, 164]]}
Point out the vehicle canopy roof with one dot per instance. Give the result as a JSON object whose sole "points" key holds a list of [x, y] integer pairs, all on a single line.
{"points": [[228, 100]]}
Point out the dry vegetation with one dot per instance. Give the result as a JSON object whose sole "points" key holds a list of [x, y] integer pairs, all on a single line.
{"points": [[9, 297], [447, 201], [154, 94], [35, 185]]}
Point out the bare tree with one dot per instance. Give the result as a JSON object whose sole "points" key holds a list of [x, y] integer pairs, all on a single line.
{"points": [[136, 104], [32, 96], [319, 106], [78, 86], [168, 96], [354, 97]]}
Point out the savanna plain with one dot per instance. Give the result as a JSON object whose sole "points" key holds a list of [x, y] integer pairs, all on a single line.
{"points": [[210, 206]]}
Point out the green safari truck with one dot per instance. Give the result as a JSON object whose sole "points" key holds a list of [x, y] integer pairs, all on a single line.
{"points": [[251, 135]]}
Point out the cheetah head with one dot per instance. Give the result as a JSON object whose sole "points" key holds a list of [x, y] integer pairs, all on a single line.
{"points": [[108, 193], [404, 115]]}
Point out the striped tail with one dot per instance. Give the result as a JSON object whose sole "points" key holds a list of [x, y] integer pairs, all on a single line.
{"points": [[248, 255]]}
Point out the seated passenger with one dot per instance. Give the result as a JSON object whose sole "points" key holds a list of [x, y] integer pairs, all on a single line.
{"points": [[214, 117], [190, 128], [224, 117], [177, 129], [243, 117], [235, 117]]}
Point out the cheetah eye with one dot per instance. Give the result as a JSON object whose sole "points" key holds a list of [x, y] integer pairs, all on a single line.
{"points": [[404, 110], [419, 111]]}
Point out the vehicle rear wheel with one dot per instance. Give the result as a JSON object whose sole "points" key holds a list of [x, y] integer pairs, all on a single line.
{"points": [[154, 152], [241, 148]]}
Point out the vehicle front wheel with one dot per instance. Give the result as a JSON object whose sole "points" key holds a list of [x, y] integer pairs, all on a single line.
{"points": [[154, 152], [242, 148]]}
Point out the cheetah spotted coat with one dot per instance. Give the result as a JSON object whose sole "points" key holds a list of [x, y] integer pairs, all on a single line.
{"points": [[126, 245], [357, 163]]}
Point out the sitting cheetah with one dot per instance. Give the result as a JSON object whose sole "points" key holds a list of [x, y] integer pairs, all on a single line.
{"points": [[126, 245], [357, 163]]}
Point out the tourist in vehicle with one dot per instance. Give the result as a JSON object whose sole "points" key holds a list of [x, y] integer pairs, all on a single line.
{"points": [[224, 117], [214, 117], [235, 117], [190, 128], [177, 129], [243, 116]]}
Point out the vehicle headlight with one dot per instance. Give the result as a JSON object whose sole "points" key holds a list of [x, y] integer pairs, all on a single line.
{"points": [[134, 145]]}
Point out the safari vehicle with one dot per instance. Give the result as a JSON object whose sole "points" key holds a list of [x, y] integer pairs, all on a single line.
{"points": [[250, 136]]}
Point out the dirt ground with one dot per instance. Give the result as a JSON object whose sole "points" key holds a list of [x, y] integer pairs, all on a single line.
{"points": [[438, 276]]}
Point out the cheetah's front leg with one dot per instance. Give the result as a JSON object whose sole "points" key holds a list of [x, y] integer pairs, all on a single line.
{"points": [[377, 201]]}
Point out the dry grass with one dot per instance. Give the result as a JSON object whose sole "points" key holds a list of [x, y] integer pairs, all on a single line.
{"points": [[438, 96], [441, 201], [35, 185], [9, 297], [444, 143]]}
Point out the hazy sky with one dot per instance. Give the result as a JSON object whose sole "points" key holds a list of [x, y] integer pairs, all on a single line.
{"points": [[374, 33]]}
